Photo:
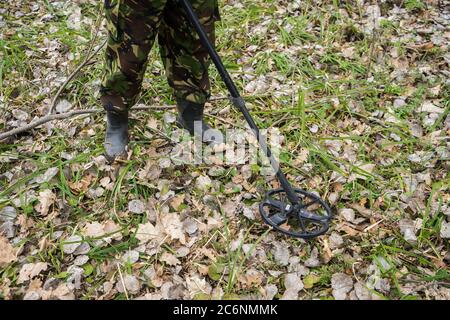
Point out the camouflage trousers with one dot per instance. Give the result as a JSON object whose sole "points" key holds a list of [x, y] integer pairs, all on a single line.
{"points": [[133, 26]]}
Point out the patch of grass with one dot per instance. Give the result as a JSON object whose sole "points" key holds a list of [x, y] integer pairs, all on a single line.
{"points": [[414, 5]]}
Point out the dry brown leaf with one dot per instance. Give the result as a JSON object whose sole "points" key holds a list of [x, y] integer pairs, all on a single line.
{"points": [[349, 230], [423, 46], [173, 227], [366, 213], [293, 285], [93, 229], [62, 292], [46, 199], [24, 222], [327, 254], [7, 252], [147, 232], [177, 201], [35, 285], [111, 227], [252, 278], [247, 186], [170, 259], [83, 184], [196, 285], [342, 284], [30, 270], [301, 157]]}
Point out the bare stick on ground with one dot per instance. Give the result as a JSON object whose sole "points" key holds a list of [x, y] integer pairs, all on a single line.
{"points": [[88, 58], [65, 115], [71, 76]]}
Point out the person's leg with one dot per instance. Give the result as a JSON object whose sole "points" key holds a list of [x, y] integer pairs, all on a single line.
{"points": [[186, 61], [132, 27]]}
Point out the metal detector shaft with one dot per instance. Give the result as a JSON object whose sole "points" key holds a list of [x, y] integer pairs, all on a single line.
{"points": [[237, 100]]}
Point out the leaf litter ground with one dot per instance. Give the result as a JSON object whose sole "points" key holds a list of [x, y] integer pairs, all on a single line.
{"points": [[359, 90]]}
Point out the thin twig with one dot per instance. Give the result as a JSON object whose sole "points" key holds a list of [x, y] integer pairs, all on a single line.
{"points": [[234, 124], [88, 58], [48, 118], [373, 225], [65, 115], [373, 45], [71, 76], [122, 281]]}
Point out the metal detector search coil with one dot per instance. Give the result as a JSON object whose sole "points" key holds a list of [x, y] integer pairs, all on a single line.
{"points": [[307, 219], [293, 212]]}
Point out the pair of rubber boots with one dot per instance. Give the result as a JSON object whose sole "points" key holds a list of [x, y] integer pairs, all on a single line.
{"points": [[190, 117]]}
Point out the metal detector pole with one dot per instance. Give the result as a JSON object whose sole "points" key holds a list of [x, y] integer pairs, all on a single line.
{"points": [[237, 100]]}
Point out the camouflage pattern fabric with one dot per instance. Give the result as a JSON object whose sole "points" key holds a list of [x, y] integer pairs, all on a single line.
{"points": [[133, 26]]}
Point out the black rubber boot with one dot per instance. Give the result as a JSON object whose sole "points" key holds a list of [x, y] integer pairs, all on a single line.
{"points": [[116, 138], [190, 117]]}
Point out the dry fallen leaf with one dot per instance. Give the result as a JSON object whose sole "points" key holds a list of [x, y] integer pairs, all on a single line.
{"points": [[30, 270], [366, 213], [269, 291], [429, 107], [62, 292], [348, 214], [348, 230], [407, 228], [190, 226], [93, 229], [48, 175], [46, 198], [8, 213], [281, 253], [71, 244], [176, 201], [7, 252], [83, 184], [362, 293], [293, 285], [327, 254], [173, 227], [136, 206], [445, 230], [170, 259], [131, 256], [313, 260], [63, 106], [341, 284], [203, 183], [112, 228], [147, 232], [348, 52], [132, 284], [252, 278], [197, 285]]}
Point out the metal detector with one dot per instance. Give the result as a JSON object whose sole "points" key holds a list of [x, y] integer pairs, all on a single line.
{"points": [[289, 210]]}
